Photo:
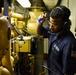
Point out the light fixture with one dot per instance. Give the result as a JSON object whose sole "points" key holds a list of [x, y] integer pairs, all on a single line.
{"points": [[24, 3]]}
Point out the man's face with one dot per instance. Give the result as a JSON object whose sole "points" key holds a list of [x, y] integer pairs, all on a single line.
{"points": [[55, 24]]}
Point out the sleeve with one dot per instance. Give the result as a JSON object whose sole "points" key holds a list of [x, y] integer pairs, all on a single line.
{"points": [[43, 30], [68, 61]]}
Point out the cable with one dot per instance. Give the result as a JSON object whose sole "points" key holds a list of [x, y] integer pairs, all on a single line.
{"points": [[26, 31], [49, 69]]}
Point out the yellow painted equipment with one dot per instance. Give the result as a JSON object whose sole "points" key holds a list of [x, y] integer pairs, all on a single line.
{"points": [[4, 33], [32, 22], [5, 52], [23, 45], [18, 22], [17, 15], [4, 71]]}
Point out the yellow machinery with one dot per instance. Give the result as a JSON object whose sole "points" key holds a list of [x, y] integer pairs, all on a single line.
{"points": [[29, 49], [32, 22], [4, 46], [27, 46], [17, 24], [4, 33], [23, 45]]}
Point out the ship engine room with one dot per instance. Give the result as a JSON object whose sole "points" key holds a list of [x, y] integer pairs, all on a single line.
{"points": [[23, 51]]}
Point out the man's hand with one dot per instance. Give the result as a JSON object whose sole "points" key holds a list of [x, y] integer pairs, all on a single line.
{"points": [[42, 17]]}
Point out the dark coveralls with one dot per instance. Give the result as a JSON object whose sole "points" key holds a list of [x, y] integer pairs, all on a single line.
{"points": [[61, 47]]}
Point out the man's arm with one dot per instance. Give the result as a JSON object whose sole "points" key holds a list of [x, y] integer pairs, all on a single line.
{"points": [[39, 28]]}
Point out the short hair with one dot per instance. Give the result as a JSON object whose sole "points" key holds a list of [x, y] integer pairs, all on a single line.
{"points": [[60, 12]]}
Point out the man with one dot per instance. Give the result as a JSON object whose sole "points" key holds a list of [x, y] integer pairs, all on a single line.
{"points": [[61, 42]]}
